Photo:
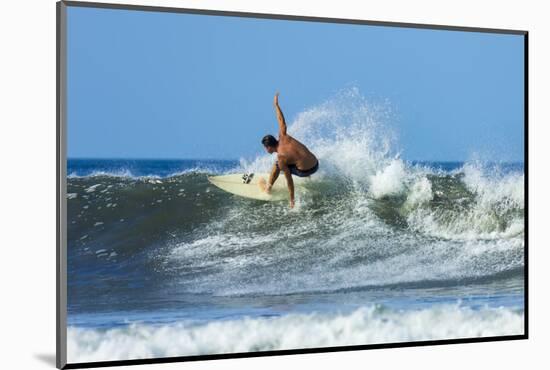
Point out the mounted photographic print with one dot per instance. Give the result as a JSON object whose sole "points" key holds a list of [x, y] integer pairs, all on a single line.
{"points": [[235, 184]]}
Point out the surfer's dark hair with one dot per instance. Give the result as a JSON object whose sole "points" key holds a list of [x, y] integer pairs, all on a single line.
{"points": [[269, 140]]}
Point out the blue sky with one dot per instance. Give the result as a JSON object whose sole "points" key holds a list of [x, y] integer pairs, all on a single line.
{"points": [[162, 85]]}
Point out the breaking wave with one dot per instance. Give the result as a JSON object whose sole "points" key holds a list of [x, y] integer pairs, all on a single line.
{"points": [[368, 218], [366, 325]]}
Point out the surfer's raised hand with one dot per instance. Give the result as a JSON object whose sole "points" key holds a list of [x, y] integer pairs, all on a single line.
{"points": [[276, 99]]}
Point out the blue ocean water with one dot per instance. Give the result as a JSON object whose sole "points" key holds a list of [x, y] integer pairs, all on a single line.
{"points": [[145, 167], [162, 263]]}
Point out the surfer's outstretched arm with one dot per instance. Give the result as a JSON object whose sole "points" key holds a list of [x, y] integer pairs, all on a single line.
{"points": [[280, 117]]}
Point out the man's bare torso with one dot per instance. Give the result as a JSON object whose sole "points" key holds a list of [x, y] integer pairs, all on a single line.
{"points": [[296, 153]]}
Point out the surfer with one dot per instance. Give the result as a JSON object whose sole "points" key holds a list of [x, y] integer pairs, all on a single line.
{"points": [[293, 157]]}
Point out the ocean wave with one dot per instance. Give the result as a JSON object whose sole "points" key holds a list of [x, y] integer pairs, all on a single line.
{"points": [[357, 151], [127, 174], [233, 264], [475, 203], [366, 325], [367, 218], [121, 173]]}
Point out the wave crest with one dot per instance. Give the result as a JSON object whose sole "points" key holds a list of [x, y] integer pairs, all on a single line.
{"points": [[366, 325]]}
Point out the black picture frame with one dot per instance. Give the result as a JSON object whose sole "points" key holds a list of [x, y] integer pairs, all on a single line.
{"points": [[61, 175]]}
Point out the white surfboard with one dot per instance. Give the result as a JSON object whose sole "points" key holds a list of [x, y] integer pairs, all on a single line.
{"points": [[248, 186]]}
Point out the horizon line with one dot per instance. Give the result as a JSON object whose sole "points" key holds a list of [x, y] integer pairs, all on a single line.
{"points": [[237, 160]]}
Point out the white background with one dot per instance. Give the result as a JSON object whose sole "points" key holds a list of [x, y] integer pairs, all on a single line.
{"points": [[27, 186]]}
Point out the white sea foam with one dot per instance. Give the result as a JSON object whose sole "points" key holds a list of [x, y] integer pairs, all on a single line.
{"points": [[122, 173], [227, 264], [125, 173], [367, 325], [389, 180], [496, 212], [420, 193], [92, 188], [494, 188]]}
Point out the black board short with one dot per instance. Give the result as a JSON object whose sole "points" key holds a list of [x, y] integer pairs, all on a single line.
{"points": [[301, 173]]}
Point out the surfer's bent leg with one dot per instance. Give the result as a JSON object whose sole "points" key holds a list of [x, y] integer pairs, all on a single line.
{"points": [[289, 181]]}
